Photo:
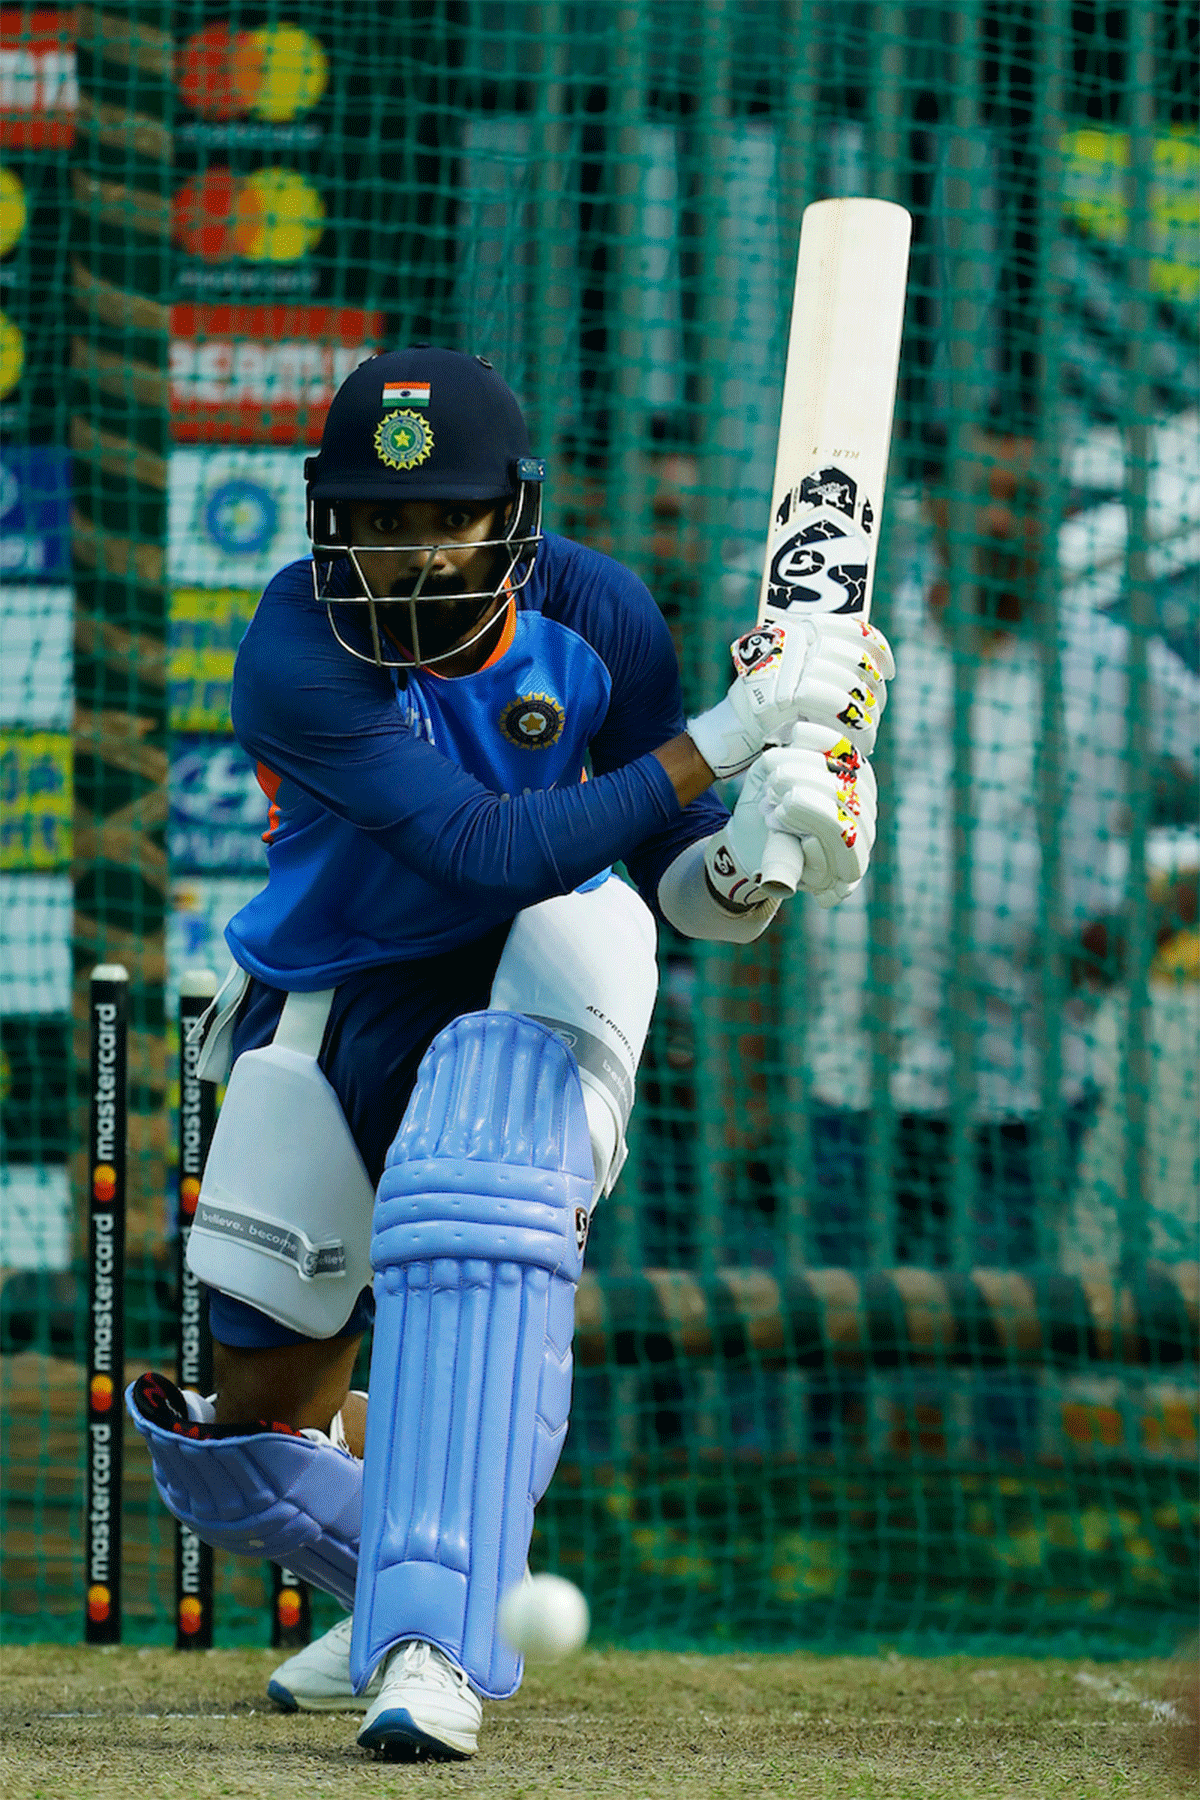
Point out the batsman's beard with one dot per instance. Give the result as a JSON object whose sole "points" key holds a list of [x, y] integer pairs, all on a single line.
{"points": [[447, 613], [440, 624]]}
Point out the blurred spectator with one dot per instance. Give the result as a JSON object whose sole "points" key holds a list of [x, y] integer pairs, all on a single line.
{"points": [[665, 531], [1004, 989], [656, 528]]}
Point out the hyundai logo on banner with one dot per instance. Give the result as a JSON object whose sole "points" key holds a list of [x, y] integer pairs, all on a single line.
{"points": [[218, 810], [35, 514], [235, 516]]}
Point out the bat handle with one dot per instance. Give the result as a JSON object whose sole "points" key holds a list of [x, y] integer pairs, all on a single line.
{"points": [[782, 865]]}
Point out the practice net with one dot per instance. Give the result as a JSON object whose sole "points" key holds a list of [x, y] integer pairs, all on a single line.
{"points": [[889, 1331]]}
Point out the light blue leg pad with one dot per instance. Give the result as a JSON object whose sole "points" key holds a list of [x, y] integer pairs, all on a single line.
{"points": [[480, 1217], [290, 1500]]}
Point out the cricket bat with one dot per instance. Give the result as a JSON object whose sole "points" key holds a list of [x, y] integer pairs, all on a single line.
{"points": [[835, 430]]}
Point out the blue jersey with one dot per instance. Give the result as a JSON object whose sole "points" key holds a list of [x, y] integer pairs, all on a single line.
{"points": [[411, 813]]}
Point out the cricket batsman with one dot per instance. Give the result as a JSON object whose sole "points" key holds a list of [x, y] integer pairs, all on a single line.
{"points": [[432, 1032]]}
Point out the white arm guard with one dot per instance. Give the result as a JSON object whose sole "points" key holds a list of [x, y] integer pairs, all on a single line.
{"points": [[691, 903]]}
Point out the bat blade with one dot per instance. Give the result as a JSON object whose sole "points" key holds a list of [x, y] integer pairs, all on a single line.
{"points": [[835, 428]]}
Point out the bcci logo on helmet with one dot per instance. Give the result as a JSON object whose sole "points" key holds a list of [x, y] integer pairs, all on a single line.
{"points": [[533, 721], [404, 440]]}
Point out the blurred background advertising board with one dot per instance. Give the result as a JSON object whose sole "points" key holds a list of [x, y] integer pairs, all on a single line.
{"points": [[235, 516], [38, 99], [262, 374]]}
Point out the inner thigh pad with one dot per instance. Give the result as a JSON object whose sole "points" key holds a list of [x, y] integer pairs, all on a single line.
{"points": [[284, 1216]]}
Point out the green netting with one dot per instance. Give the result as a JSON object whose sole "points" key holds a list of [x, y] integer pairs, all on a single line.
{"points": [[890, 1327]]}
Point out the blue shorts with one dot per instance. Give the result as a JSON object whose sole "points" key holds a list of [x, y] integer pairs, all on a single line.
{"points": [[381, 1023]]}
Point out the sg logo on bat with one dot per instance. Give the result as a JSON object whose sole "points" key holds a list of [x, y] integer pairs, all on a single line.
{"points": [[822, 545]]}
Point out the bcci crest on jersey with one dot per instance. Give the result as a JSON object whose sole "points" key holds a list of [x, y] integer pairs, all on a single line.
{"points": [[533, 721], [404, 440]]}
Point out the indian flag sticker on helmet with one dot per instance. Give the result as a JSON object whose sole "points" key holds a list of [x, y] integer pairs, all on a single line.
{"points": [[404, 440], [406, 393]]}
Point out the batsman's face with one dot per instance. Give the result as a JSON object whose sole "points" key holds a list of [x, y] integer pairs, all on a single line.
{"points": [[397, 541], [438, 550]]}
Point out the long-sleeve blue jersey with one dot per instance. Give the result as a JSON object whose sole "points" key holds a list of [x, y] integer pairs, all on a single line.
{"points": [[410, 813]]}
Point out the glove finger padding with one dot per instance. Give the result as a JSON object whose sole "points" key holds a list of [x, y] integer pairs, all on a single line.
{"points": [[860, 638], [845, 703], [820, 789], [845, 681]]}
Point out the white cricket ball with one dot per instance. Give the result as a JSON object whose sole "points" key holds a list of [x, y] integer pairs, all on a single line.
{"points": [[544, 1618]]}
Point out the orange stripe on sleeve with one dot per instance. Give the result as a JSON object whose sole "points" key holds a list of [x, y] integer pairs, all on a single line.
{"points": [[269, 781]]}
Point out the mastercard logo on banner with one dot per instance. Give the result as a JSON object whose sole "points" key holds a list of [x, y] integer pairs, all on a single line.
{"points": [[274, 216], [99, 1603], [191, 1615], [287, 1608], [189, 1194], [101, 1393], [104, 1181], [273, 73]]}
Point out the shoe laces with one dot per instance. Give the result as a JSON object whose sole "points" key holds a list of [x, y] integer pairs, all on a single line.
{"points": [[421, 1658]]}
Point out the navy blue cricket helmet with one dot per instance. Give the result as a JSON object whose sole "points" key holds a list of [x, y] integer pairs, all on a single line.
{"points": [[421, 424]]}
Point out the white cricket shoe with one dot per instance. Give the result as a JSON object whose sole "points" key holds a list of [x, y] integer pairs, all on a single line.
{"points": [[317, 1678], [425, 1707]]}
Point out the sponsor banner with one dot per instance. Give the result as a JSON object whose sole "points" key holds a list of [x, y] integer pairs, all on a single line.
{"points": [[248, 233], [193, 1350], [35, 514], [36, 1216], [107, 1148], [235, 517], [36, 918], [218, 811], [39, 85], [201, 907], [262, 374], [36, 656], [35, 799], [204, 630], [251, 89], [34, 197], [1096, 196]]}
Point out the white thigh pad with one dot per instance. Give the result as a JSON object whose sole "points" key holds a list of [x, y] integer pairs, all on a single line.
{"points": [[283, 1221], [584, 965]]}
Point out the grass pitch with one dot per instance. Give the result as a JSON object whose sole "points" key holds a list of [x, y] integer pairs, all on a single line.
{"points": [[97, 1724]]}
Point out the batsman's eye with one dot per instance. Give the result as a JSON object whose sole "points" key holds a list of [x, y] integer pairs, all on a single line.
{"points": [[386, 525], [458, 518]]}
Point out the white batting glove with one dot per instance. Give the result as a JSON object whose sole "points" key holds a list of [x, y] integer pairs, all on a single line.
{"points": [[733, 858], [823, 669], [821, 789]]}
